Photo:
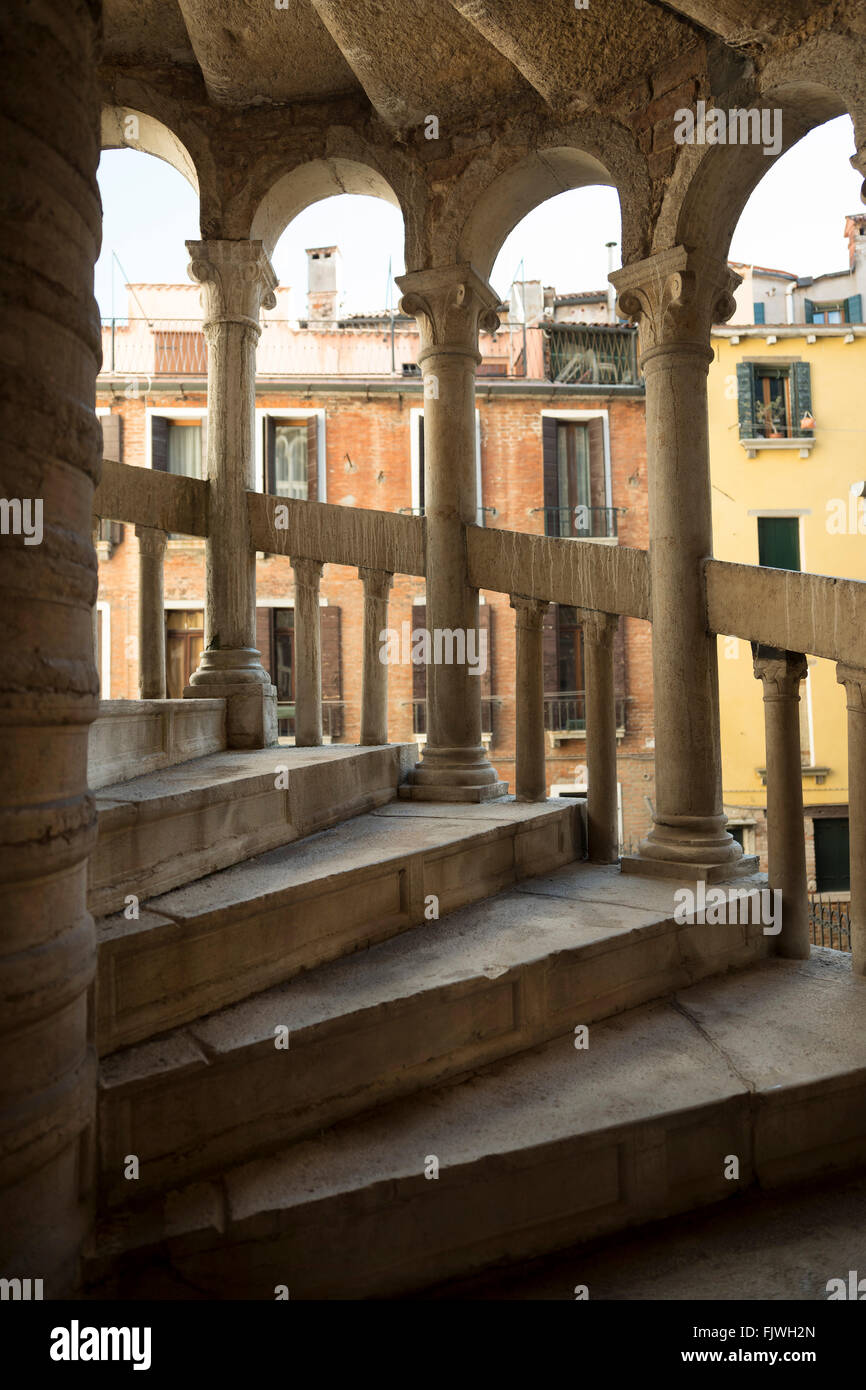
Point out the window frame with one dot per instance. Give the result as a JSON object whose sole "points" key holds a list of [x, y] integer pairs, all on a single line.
{"points": [[289, 413]]}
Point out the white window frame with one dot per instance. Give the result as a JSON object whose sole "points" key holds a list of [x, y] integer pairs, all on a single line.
{"points": [[416, 413], [291, 413], [170, 412]]}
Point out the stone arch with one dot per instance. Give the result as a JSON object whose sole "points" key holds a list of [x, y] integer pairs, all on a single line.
{"points": [[499, 190], [309, 183], [711, 184], [124, 127]]}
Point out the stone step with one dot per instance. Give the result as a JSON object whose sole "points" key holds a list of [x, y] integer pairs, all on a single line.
{"points": [[444, 998], [247, 928], [765, 1066], [130, 738], [166, 829]]}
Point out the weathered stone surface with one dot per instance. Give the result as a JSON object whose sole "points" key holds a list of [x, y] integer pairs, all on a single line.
{"points": [[131, 738]]}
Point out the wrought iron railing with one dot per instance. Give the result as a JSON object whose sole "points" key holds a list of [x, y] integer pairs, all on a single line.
{"points": [[830, 923], [419, 716], [586, 523], [333, 721], [596, 355], [565, 712]]}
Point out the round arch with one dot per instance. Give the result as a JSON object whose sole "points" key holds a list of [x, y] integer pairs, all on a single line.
{"points": [[124, 128], [309, 183]]}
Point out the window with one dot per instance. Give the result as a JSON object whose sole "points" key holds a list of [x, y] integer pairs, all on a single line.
{"points": [[832, 862], [178, 445], [773, 400], [759, 311], [291, 457], [779, 542], [275, 639], [574, 479], [564, 679], [184, 641], [848, 310], [416, 417]]}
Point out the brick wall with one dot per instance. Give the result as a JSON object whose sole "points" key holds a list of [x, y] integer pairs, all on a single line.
{"points": [[368, 464]]}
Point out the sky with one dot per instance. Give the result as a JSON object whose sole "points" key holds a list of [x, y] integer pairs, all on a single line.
{"points": [[793, 221]]}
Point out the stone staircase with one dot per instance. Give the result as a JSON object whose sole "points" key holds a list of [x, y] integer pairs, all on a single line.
{"points": [[348, 1065]]}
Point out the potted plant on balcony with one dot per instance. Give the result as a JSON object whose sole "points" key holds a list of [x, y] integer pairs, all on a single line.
{"points": [[769, 415]]}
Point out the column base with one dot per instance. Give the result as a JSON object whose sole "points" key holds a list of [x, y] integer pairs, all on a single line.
{"points": [[238, 677], [454, 774], [689, 871]]}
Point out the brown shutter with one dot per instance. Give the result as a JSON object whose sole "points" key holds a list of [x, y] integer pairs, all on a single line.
{"points": [[419, 672], [421, 463], [550, 478], [203, 472], [270, 481], [485, 622], [264, 637], [159, 443], [619, 658], [550, 649], [332, 675], [597, 492], [112, 435], [313, 459]]}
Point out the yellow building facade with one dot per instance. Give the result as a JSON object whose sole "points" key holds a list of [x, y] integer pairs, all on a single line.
{"points": [[787, 420]]}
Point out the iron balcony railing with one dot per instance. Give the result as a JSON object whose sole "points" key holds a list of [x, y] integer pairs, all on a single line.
{"points": [[830, 923], [565, 712], [419, 716], [581, 523], [593, 355]]}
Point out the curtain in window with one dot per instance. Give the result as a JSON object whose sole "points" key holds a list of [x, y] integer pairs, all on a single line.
{"points": [[290, 461], [184, 449]]}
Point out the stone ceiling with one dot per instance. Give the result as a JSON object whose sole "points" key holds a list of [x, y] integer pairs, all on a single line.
{"points": [[456, 59]]}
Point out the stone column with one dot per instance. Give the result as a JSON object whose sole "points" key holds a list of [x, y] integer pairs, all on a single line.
{"points": [[308, 654], [530, 777], [151, 613], [374, 671], [50, 230], [451, 304], [854, 681], [602, 811], [677, 296], [781, 674], [237, 279]]}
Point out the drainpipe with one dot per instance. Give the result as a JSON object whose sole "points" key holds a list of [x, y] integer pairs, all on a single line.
{"points": [[611, 292], [789, 301]]}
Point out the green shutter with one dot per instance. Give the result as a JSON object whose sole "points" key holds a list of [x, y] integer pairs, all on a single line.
{"points": [[746, 399], [779, 542], [810, 310], [759, 311], [854, 309], [802, 376]]}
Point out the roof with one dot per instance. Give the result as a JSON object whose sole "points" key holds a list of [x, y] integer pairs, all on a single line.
{"points": [[580, 297]]}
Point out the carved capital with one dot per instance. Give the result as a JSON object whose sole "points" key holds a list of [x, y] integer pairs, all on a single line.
{"points": [[451, 304], [854, 680], [781, 672], [307, 573], [151, 541], [598, 628], [676, 296], [529, 612], [237, 280], [377, 583]]}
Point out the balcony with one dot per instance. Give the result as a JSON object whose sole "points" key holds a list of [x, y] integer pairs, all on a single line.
{"points": [[581, 523], [419, 720], [565, 715], [597, 355], [333, 721]]}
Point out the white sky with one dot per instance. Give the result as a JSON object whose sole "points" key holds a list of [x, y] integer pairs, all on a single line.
{"points": [[793, 221]]}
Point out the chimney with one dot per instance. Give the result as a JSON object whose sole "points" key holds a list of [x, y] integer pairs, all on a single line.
{"points": [[855, 231], [324, 282]]}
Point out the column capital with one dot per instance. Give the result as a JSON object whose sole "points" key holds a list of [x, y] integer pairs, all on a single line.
{"points": [[781, 672], [598, 627], [151, 541], [307, 572], [377, 583], [529, 612], [854, 680], [237, 280], [451, 304], [676, 297]]}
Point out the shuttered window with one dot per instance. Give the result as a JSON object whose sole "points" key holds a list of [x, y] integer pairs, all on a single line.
{"points": [[112, 437], [573, 479], [758, 308], [779, 542], [178, 445], [292, 457], [772, 400], [832, 854]]}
